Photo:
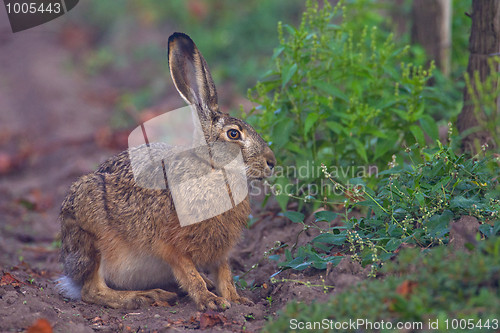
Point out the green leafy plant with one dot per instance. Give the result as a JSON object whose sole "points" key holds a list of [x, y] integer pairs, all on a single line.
{"points": [[463, 287], [414, 205], [340, 95]]}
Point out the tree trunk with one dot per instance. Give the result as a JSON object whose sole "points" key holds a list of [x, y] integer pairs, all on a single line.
{"points": [[484, 42], [431, 28]]}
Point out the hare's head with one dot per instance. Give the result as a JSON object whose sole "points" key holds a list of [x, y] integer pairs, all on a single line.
{"points": [[194, 83]]}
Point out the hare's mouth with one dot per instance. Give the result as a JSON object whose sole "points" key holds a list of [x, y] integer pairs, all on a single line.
{"points": [[258, 170]]}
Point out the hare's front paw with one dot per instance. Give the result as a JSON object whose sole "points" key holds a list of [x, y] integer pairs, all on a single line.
{"points": [[213, 302]]}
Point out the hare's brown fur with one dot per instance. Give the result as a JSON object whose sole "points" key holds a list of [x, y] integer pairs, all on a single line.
{"points": [[123, 244]]}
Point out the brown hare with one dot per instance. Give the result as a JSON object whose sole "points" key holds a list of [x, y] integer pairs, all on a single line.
{"points": [[123, 244]]}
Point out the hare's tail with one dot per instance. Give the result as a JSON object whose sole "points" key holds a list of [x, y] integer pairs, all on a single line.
{"points": [[78, 252], [69, 288], [79, 259]]}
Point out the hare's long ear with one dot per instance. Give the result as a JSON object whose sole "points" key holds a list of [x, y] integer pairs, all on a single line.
{"points": [[191, 75]]}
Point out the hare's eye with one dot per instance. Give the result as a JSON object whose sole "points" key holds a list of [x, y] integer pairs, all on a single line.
{"points": [[233, 134]]}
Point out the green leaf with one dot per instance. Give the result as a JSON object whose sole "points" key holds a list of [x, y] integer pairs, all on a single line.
{"points": [[393, 244], [403, 114], [418, 134], [420, 198], [430, 127], [442, 183], [335, 127], [311, 119], [323, 247], [294, 147], [360, 149], [325, 215], [291, 29], [288, 75], [300, 266], [437, 225], [330, 90], [335, 260], [277, 52], [386, 256], [328, 238], [462, 203], [377, 133], [383, 146], [295, 217], [281, 131], [275, 257], [486, 230], [298, 263], [319, 264]]}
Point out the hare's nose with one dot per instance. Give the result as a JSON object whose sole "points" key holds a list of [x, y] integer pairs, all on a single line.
{"points": [[270, 159]]}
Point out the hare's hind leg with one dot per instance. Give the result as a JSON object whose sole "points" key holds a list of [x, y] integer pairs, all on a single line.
{"points": [[96, 291]]}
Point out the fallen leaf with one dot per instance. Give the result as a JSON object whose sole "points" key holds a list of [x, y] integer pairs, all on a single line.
{"points": [[210, 319], [406, 288], [9, 279], [36, 200], [40, 326]]}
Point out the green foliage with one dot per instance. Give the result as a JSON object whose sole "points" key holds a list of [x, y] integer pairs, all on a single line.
{"points": [[340, 94], [441, 284], [449, 89], [484, 95], [414, 205]]}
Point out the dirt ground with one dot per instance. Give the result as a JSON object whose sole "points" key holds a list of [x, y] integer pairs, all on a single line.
{"points": [[53, 129]]}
